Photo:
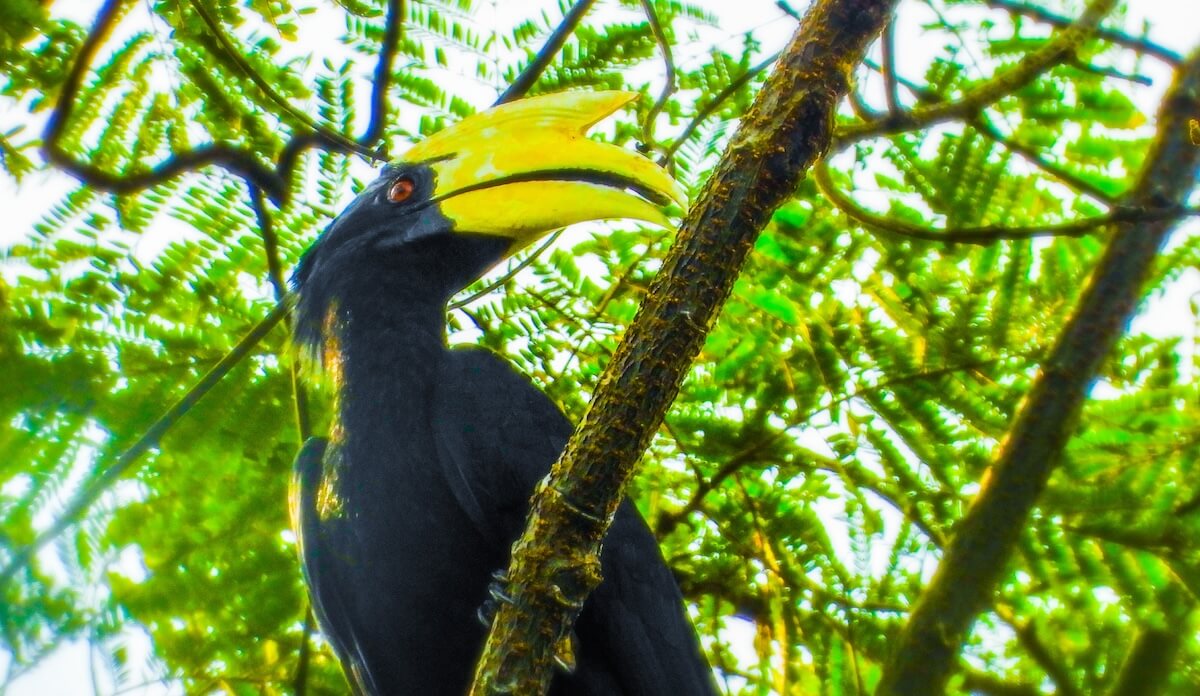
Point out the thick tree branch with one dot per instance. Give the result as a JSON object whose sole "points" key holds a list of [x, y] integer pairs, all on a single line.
{"points": [[984, 540], [556, 561], [1058, 49], [542, 59]]}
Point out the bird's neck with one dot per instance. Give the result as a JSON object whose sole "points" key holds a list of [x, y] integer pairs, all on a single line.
{"points": [[384, 342], [379, 321]]}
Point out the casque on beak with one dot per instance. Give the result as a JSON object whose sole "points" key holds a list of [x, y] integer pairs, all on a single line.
{"points": [[524, 168]]}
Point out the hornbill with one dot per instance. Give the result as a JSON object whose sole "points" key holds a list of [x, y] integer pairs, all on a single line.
{"points": [[408, 508]]}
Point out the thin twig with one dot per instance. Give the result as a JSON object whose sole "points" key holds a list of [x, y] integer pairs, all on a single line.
{"points": [[300, 679], [982, 234], [1031, 155], [244, 163], [1102, 71], [669, 520], [664, 47], [708, 109], [1139, 44], [1059, 48], [92, 490], [392, 31], [541, 60], [1041, 653], [266, 230], [788, 10], [234, 54], [891, 86], [508, 275], [981, 123], [270, 239]]}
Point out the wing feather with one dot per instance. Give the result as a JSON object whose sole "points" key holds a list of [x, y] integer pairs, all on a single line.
{"points": [[324, 569], [498, 435]]}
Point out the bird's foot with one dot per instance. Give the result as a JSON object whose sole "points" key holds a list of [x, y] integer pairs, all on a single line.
{"points": [[497, 595], [564, 650]]}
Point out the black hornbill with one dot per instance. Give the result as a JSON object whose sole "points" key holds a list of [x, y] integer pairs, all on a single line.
{"points": [[412, 503]]}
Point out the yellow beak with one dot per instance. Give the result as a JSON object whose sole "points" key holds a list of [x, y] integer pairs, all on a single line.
{"points": [[524, 168]]}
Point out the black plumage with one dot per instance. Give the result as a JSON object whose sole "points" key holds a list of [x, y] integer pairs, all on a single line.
{"points": [[414, 500]]}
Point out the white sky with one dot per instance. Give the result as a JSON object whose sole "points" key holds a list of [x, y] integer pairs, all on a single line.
{"points": [[1174, 23]]}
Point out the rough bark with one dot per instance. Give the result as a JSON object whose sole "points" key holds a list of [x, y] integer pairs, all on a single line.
{"points": [[978, 554], [556, 561]]}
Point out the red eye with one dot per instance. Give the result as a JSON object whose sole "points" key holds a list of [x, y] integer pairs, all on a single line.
{"points": [[401, 189]]}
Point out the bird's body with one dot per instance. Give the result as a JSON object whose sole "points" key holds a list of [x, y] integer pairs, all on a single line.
{"points": [[412, 504]]}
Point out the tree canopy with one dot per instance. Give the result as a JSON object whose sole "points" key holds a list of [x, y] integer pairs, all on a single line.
{"points": [[859, 389]]}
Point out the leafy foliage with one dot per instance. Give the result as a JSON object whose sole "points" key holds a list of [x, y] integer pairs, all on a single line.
{"points": [[842, 414]]}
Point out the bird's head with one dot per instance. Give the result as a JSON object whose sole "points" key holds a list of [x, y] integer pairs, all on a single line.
{"points": [[478, 191]]}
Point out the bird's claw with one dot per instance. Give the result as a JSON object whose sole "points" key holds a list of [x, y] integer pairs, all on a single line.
{"points": [[497, 595], [564, 651]]}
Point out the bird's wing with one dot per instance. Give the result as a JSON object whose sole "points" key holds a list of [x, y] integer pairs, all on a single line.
{"points": [[321, 532], [497, 437], [637, 616]]}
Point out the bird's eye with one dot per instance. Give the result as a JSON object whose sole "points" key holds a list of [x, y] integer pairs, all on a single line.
{"points": [[401, 190]]}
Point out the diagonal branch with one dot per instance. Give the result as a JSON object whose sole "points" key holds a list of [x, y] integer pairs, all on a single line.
{"points": [[1139, 44], [94, 488], [979, 552], [555, 562], [255, 174], [233, 53], [984, 234], [664, 47], [542, 59], [981, 123], [274, 181], [713, 104], [1060, 47]]}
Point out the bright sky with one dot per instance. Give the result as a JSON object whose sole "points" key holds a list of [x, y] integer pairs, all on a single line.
{"points": [[1174, 23]]}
